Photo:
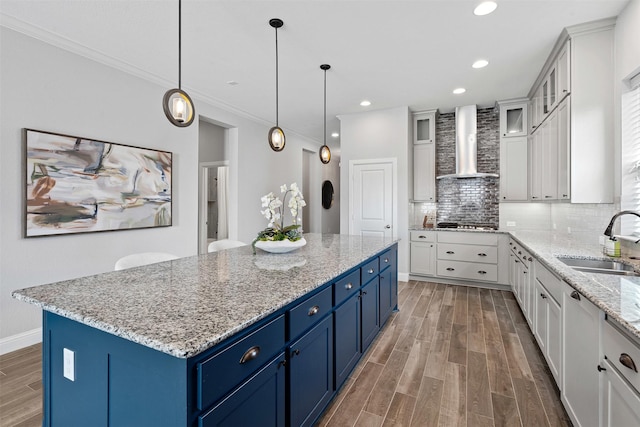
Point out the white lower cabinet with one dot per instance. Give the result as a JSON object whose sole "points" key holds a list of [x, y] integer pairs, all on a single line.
{"points": [[548, 318], [423, 253], [581, 355], [620, 402]]}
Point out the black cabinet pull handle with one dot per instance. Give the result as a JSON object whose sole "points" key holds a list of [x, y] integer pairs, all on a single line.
{"points": [[250, 354], [519, 252], [482, 254], [600, 368], [422, 237], [450, 252], [295, 352], [313, 310], [530, 259], [543, 296], [450, 269], [627, 361], [517, 261], [364, 292], [482, 272], [575, 295], [348, 286]]}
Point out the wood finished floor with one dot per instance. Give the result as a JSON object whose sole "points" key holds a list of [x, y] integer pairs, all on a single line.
{"points": [[451, 356]]}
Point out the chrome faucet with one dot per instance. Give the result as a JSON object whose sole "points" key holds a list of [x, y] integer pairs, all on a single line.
{"points": [[608, 231]]}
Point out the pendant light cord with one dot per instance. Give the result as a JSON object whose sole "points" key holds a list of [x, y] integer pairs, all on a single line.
{"points": [[325, 107], [277, 77], [179, 44]]}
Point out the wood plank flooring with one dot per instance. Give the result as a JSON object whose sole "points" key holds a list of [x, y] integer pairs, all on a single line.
{"points": [[451, 356]]}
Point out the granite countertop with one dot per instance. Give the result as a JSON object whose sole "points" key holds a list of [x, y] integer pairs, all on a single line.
{"points": [[185, 306], [458, 230], [617, 296]]}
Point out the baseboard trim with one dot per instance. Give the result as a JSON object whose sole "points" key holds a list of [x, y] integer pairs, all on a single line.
{"points": [[403, 277], [21, 340]]}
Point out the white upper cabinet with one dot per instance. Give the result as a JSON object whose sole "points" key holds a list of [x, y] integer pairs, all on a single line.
{"points": [[563, 68], [424, 127], [424, 172], [513, 118]]}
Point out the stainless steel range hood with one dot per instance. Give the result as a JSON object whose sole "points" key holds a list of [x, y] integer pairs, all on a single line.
{"points": [[467, 145]]}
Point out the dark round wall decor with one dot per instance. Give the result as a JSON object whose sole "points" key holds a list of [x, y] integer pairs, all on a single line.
{"points": [[327, 194]]}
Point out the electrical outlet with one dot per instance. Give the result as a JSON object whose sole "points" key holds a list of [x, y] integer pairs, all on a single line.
{"points": [[601, 240], [69, 362], [511, 223]]}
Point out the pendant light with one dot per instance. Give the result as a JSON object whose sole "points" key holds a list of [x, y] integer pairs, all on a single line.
{"points": [[276, 135], [177, 105], [325, 152]]}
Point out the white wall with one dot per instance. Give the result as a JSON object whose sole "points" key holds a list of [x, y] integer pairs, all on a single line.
{"points": [[212, 142], [47, 88], [376, 135]]}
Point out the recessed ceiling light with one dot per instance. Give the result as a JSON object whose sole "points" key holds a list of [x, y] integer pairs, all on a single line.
{"points": [[365, 103], [459, 90], [232, 83], [485, 8], [480, 63], [335, 134]]}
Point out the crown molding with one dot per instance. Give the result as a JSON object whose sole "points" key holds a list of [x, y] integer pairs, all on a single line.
{"points": [[79, 49]]}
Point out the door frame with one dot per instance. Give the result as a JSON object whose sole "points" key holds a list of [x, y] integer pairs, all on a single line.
{"points": [[203, 174], [394, 188]]}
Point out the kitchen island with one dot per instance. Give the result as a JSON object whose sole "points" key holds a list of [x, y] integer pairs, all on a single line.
{"points": [[226, 338]]}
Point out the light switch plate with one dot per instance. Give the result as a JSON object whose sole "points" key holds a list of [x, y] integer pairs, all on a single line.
{"points": [[69, 364]]}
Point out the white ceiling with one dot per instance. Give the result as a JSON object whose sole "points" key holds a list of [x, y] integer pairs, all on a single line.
{"points": [[391, 52]]}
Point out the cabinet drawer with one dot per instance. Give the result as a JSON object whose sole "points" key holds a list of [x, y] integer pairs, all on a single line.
{"points": [[223, 371], [305, 314], [346, 287], [369, 271], [469, 238], [423, 236], [551, 283], [468, 270], [387, 259], [616, 347], [468, 253]]}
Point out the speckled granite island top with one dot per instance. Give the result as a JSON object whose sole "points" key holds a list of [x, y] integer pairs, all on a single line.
{"points": [[188, 305], [618, 296]]}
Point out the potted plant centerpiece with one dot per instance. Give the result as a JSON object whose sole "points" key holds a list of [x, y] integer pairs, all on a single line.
{"points": [[277, 238]]}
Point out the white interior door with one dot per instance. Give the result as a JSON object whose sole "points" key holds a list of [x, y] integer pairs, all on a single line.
{"points": [[372, 199]]}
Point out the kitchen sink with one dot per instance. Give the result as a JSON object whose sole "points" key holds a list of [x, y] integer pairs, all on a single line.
{"points": [[602, 266]]}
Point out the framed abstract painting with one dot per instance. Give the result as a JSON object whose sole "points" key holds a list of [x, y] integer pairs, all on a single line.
{"points": [[80, 185]]}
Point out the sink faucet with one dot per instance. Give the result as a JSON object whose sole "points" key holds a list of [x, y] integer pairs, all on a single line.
{"points": [[608, 231]]}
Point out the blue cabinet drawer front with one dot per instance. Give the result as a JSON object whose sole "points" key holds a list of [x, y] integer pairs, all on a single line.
{"points": [[222, 372], [346, 287], [369, 271], [387, 259], [307, 313]]}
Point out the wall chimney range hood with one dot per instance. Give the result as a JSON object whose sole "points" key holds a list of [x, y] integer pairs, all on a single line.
{"points": [[467, 145]]}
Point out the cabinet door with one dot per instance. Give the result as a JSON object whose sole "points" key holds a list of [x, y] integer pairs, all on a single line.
{"points": [[423, 258], [549, 158], [620, 402], [580, 379], [536, 165], [347, 338], [554, 338], [513, 272], [260, 401], [424, 172], [563, 66], [552, 80], [424, 127], [370, 317], [564, 138], [311, 373], [530, 293], [513, 120], [386, 299], [540, 324], [514, 171]]}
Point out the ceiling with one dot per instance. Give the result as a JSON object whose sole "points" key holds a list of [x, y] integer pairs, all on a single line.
{"points": [[393, 53]]}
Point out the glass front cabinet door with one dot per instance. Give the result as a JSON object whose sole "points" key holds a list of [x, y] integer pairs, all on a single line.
{"points": [[424, 127], [513, 119]]}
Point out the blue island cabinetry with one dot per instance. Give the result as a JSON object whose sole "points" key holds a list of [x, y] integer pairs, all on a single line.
{"points": [[282, 370]]}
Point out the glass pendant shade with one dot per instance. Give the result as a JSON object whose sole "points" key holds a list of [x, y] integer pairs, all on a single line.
{"points": [[276, 138], [325, 154], [178, 107]]}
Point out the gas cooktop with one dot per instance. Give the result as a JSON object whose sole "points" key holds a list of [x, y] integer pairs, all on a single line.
{"points": [[466, 226]]}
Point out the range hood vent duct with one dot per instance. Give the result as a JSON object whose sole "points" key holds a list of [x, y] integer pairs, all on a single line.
{"points": [[467, 145]]}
